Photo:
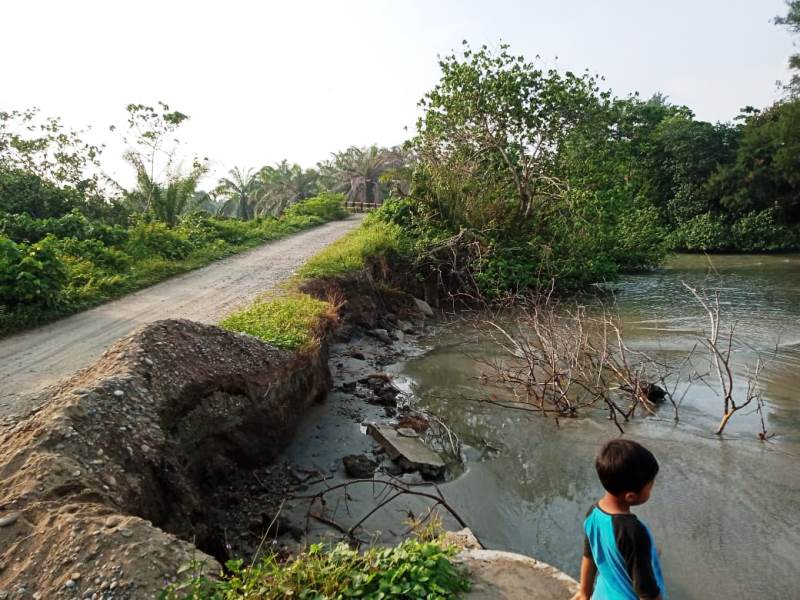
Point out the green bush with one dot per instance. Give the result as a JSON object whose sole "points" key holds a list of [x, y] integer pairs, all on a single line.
{"points": [[148, 239], [325, 206], [24, 228], [703, 233], [761, 232], [31, 275], [288, 322], [26, 193], [413, 570]]}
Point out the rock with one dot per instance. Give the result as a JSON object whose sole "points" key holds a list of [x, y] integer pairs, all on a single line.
{"points": [[399, 335], [9, 519], [416, 422], [405, 327], [424, 307], [407, 432], [381, 334], [412, 479], [119, 393], [358, 466], [464, 538]]}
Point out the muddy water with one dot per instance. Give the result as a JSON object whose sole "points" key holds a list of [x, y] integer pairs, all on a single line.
{"points": [[725, 512]]}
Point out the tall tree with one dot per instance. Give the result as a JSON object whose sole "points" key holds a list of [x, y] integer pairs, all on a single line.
{"points": [[492, 129], [239, 191], [284, 184], [792, 21], [357, 172]]}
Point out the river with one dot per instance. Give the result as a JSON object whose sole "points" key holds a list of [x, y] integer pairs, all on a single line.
{"points": [[725, 512]]}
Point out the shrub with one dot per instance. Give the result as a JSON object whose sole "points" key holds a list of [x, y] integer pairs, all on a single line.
{"points": [[703, 233], [415, 569], [24, 228], [31, 275], [147, 239], [289, 322], [26, 193], [325, 206], [761, 232]]}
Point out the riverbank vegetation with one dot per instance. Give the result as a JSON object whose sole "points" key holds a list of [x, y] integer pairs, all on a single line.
{"points": [[527, 177]]}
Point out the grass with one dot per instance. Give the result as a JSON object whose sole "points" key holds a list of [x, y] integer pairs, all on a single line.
{"points": [[349, 254], [290, 322], [414, 569], [293, 320]]}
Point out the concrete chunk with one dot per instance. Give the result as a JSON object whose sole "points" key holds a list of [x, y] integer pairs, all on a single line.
{"points": [[409, 451]]}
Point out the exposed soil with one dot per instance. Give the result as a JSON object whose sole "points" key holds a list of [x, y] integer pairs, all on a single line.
{"points": [[129, 461], [31, 361]]}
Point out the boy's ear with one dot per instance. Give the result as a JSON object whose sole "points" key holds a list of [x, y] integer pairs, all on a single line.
{"points": [[630, 497]]}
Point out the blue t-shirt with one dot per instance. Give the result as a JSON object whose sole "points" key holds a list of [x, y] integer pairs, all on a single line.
{"points": [[622, 548]]}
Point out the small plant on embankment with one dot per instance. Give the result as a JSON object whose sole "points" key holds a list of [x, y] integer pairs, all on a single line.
{"points": [[416, 568], [290, 322]]}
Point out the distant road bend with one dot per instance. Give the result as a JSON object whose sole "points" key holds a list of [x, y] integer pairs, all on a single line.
{"points": [[36, 359]]}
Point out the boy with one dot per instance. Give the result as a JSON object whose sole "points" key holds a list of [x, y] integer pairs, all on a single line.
{"points": [[620, 561]]}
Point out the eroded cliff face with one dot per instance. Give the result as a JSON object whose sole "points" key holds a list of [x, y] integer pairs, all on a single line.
{"points": [[106, 485]]}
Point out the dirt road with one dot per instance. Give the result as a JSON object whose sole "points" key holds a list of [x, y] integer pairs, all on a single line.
{"points": [[31, 361]]}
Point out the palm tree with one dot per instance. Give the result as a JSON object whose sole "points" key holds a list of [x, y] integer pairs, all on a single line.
{"points": [[239, 192], [165, 201], [357, 172], [283, 185]]}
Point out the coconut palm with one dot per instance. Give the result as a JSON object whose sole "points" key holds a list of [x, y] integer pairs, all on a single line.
{"points": [[357, 172], [239, 193]]}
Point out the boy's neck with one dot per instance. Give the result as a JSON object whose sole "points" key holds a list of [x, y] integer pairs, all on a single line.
{"points": [[614, 505]]}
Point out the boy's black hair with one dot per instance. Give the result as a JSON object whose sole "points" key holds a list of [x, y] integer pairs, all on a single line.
{"points": [[625, 466]]}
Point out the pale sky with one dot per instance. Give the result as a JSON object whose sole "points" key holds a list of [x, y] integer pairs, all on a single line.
{"points": [[267, 80]]}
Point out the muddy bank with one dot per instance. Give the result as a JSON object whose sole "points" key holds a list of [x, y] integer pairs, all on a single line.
{"points": [[130, 460]]}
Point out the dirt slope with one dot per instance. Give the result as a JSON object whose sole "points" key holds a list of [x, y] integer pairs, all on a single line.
{"points": [[32, 361]]}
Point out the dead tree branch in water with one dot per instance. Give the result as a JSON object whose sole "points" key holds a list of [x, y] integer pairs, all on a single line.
{"points": [[720, 348], [557, 359]]}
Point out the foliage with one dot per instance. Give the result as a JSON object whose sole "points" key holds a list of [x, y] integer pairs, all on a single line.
{"points": [[415, 569], [31, 275], [357, 172], [792, 21], [703, 233], [283, 185], [238, 191], [325, 206], [56, 266], [288, 322], [46, 150], [349, 254], [489, 138]]}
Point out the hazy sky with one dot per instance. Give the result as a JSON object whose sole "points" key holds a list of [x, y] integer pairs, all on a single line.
{"points": [[269, 80]]}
